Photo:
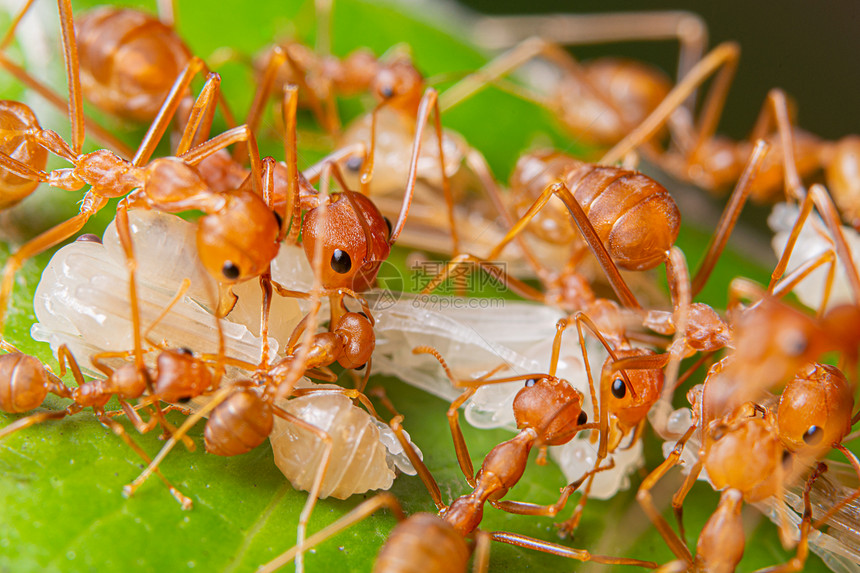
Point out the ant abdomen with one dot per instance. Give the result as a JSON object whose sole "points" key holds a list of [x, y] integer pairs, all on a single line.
{"points": [[24, 384], [423, 543], [128, 61], [16, 120], [239, 424], [620, 204]]}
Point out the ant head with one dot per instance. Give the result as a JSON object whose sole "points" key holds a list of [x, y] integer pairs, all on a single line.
{"points": [[398, 83], [238, 424], [552, 407], [631, 407], [23, 383], [815, 409], [355, 240], [181, 376], [744, 453], [359, 339], [238, 241]]}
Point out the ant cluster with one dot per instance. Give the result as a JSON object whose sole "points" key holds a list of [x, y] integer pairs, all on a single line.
{"points": [[229, 317]]}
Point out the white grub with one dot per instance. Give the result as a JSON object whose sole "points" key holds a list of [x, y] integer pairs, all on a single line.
{"points": [[474, 341], [83, 297], [814, 239], [365, 451], [82, 300]]}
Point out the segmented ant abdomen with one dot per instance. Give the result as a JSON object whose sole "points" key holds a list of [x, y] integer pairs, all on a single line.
{"points": [[355, 241], [843, 178], [815, 409], [423, 543], [23, 383], [180, 376], [633, 215], [240, 240], [721, 542], [239, 424], [16, 122], [358, 337], [744, 454], [633, 91], [550, 406], [359, 460], [128, 61]]}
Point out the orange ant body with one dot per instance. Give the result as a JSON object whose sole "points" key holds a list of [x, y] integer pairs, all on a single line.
{"points": [[548, 412], [745, 459], [601, 100], [127, 60], [25, 382]]}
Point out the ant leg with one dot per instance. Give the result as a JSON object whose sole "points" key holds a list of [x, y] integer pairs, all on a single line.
{"points": [[460, 447], [833, 510], [185, 502], [420, 467], [523, 508], [643, 496], [314, 491], [478, 164], [481, 555], [598, 249], [291, 225], [722, 59], [819, 197], [563, 551], [687, 28], [429, 102], [796, 276], [38, 418], [167, 111], [214, 401], [265, 85], [90, 205], [70, 53], [681, 495], [201, 115], [223, 140], [362, 511], [729, 217], [799, 560]]}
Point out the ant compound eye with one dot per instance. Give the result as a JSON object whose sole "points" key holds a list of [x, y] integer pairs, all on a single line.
{"points": [[230, 271], [186, 350], [786, 459], [279, 219], [387, 224], [387, 91], [619, 390], [357, 368], [813, 435], [354, 164], [531, 382], [184, 400], [582, 419], [340, 262]]}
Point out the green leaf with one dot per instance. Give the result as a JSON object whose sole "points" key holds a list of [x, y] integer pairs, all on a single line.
{"points": [[61, 482]]}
